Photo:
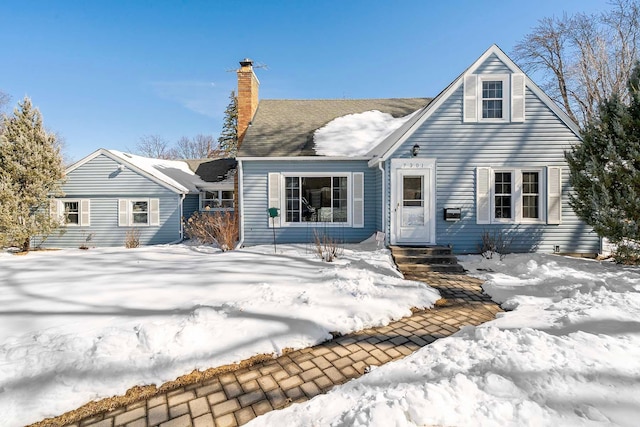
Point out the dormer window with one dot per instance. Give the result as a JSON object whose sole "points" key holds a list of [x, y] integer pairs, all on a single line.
{"points": [[492, 99]]}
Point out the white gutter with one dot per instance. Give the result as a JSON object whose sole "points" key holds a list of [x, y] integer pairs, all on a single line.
{"points": [[384, 198], [306, 158], [240, 207]]}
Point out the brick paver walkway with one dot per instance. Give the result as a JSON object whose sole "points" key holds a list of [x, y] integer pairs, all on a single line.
{"points": [[235, 398]]}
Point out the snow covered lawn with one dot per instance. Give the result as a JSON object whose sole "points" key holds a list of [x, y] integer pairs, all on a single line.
{"points": [[81, 325], [568, 354]]}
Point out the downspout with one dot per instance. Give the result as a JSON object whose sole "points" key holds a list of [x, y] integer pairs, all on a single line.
{"points": [[182, 196], [240, 207], [384, 200]]}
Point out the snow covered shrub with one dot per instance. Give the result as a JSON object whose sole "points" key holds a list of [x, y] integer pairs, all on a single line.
{"points": [[495, 242], [220, 228], [327, 247], [132, 238], [627, 252]]}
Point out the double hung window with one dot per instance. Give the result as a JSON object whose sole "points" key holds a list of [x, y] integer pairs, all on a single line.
{"points": [[492, 99], [531, 195], [72, 213], [502, 190], [138, 212]]}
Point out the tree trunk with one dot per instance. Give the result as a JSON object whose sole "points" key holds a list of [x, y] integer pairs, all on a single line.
{"points": [[26, 245]]}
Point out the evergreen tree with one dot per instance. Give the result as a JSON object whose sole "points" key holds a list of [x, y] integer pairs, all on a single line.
{"points": [[228, 140], [605, 172], [31, 171]]}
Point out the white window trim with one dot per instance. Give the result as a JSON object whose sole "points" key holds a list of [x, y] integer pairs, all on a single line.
{"points": [[283, 199], [129, 212], [506, 97], [63, 212], [219, 191], [516, 196], [542, 197], [84, 215], [492, 200]]}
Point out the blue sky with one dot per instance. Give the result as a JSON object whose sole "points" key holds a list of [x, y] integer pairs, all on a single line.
{"points": [[105, 73]]}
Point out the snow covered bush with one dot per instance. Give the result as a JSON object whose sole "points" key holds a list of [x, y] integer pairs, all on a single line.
{"points": [[220, 228]]}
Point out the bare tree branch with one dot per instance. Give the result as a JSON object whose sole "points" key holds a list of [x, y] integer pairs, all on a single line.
{"points": [[156, 147], [584, 59]]}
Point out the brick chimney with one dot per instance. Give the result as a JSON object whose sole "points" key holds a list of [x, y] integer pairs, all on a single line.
{"points": [[247, 96]]}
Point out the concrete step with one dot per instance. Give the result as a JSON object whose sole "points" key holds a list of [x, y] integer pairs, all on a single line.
{"points": [[439, 268], [425, 259], [420, 250]]}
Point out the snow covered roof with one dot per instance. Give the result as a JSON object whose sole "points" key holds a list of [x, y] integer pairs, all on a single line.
{"points": [[176, 173], [354, 135], [286, 128]]}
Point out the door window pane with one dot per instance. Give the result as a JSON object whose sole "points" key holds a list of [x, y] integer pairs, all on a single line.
{"points": [[412, 191]]}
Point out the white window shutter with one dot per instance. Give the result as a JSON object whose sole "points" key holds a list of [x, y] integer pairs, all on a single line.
{"points": [[54, 208], [483, 195], [154, 212], [470, 103], [554, 195], [123, 212], [274, 198], [85, 212], [358, 200], [517, 97]]}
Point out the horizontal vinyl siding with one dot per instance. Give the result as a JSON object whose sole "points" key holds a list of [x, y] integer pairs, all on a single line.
{"points": [[254, 198], [98, 181], [492, 65], [459, 148], [191, 205]]}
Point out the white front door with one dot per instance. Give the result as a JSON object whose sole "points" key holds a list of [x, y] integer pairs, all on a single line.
{"points": [[413, 219]]}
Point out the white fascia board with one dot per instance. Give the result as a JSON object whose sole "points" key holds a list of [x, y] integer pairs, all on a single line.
{"points": [[86, 159], [129, 165], [303, 158], [443, 96]]}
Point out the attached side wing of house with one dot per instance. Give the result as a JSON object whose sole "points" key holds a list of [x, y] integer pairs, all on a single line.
{"points": [[109, 193]]}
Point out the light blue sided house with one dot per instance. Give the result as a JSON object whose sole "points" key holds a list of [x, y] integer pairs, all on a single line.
{"points": [[109, 193], [485, 155]]}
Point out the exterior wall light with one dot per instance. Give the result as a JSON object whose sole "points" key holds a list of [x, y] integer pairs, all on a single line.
{"points": [[415, 150]]}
